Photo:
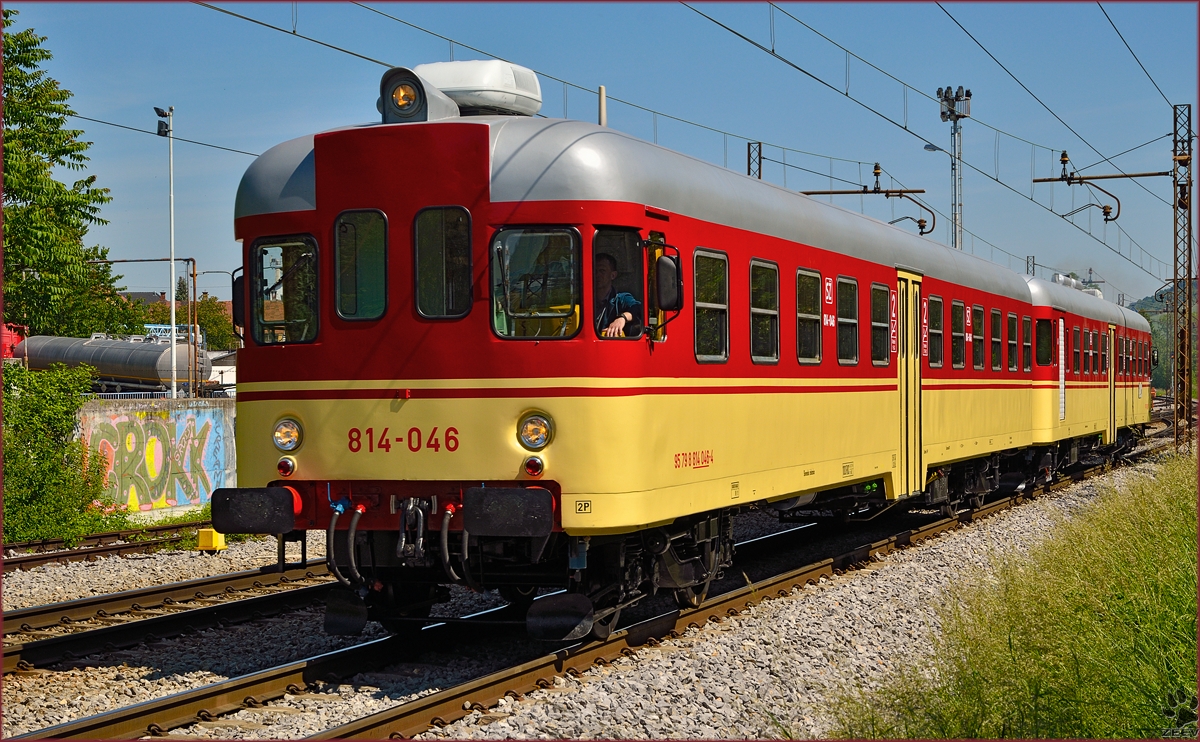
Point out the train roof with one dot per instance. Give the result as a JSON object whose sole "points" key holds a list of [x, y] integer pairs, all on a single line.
{"points": [[1050, 294], [535, 159]]}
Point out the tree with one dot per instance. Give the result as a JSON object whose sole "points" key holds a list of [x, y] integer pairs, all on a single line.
{"points": [[53, 486], [181, 290], [48, 283]]}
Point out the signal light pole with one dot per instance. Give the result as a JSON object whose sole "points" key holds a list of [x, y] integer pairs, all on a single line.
{"points": [[167, 129], [955, 105]]}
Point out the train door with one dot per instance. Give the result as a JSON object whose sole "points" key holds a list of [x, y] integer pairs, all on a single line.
{"points": [[908, 316], [1062, 369], [1110, 369]]}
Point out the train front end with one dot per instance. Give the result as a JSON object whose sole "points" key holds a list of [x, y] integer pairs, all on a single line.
{"points": [[367, 407]]}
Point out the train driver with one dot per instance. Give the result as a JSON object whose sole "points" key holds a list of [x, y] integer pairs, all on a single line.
{"points": [[618, 314]]}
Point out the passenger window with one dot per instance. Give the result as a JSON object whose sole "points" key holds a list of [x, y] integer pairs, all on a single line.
{"points": [[764, 312], [1075, 351], [808, 317], [1012, 342], [880, 325], [442, 246], [284, 290], [937, 345], [1095, 352], [1104, 354], [536, 283], [997, 340], [617, 257], [847, 321], [976, 325], [712, 307], [360, 251], [1027, 342], [1045, 342], [958, 335]]}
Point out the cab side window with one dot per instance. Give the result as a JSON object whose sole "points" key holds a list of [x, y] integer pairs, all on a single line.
{"points": [[712, 307], [360, 253], [442, 249], [1045, 342], [617, 283]]}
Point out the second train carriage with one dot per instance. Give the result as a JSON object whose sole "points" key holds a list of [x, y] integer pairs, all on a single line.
{"points": [[431, 376]]}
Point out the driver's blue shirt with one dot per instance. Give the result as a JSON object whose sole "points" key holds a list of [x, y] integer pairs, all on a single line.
{"points": [[613, 306]]}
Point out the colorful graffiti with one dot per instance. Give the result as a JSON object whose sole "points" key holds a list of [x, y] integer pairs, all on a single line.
{"points": [[161, 454]]}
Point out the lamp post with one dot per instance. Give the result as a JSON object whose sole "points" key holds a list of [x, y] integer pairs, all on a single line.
{"points": [[167, 129], [955, 105]]}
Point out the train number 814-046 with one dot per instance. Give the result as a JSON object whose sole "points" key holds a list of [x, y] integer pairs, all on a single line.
{"points": [[368, 440]]}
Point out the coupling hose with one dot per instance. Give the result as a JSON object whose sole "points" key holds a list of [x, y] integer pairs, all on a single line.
{"points": [[351, 547], [447, 514], [330, 558]]}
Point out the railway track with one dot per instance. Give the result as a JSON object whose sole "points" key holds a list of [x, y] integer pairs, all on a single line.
{"points": [[43, 635], [114, 543], [255, 690]]}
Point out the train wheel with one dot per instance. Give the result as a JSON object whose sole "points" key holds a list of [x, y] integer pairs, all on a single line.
{"points": [[691, 597], [603, 628], [519, 596]]}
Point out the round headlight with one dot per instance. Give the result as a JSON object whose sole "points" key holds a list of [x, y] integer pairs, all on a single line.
{"points": [[534, 432], [287, 435], [404, 96]]}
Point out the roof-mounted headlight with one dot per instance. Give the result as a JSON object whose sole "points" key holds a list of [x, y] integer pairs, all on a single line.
{"points": [[405, 96]]}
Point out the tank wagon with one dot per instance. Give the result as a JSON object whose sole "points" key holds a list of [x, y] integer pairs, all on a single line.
{"points": [[515, 352], [120, 364]]}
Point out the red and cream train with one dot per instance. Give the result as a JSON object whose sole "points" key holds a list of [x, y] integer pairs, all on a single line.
{"points": [[424, 378]]}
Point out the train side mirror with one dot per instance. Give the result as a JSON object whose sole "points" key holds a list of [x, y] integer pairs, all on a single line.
{"points": [[239, 301], [1154, 358], [669, 283]]}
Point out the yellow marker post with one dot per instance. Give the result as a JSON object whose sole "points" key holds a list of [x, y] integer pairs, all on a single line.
{"points": [[211, 542]]}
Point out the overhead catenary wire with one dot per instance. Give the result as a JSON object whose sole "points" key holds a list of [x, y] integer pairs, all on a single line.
{"points": [[1048, 109], [1135, 56], [155, 133], [908, 87], [887, 118]]}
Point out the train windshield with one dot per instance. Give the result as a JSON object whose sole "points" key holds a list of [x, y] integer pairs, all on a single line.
{"points": [[284, 287], [536, 283]]}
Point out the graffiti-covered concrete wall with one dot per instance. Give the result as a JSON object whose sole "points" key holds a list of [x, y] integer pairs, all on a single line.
{"points": [[162, 453]]}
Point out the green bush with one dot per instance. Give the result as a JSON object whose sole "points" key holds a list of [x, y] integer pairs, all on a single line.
{"points": [[1091, 634], [52, 485]]}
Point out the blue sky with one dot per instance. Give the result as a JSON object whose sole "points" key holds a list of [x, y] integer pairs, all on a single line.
{"points": [[247, 87]]}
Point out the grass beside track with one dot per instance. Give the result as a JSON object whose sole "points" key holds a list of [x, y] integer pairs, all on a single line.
{"points": [[1090, 634]]}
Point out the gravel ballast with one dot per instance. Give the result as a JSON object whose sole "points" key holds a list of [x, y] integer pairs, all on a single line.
{"points": [[765, 673], [56, 583]]}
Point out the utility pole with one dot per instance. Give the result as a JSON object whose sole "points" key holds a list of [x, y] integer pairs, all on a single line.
{"points": [[167, 129], [754, 159], [955, 105], [1183, 276], [1181, 324]]}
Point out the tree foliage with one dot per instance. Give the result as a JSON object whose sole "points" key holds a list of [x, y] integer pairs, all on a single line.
{"points": [[48, 283], [53, 487]]}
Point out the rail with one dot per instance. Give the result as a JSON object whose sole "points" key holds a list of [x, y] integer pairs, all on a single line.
{"points": [[47, 551]]}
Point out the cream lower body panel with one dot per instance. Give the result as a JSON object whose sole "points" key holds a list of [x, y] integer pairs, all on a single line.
{"points": [[635, 460]]}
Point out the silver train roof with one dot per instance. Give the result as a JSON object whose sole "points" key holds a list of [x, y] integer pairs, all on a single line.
{"points": [[537, 159]]}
